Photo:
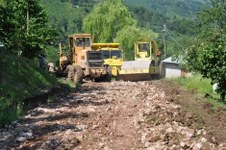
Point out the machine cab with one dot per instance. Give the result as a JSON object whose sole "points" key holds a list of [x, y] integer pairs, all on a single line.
{"points": [[79, 44], [143, 50]]}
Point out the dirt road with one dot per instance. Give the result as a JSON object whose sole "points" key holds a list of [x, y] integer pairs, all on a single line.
{"points": [[120, 116]]}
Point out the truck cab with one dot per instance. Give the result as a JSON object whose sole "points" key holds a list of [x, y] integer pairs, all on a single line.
{"points": [[112, 55]]}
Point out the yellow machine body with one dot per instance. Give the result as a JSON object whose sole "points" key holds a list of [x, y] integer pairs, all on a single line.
{"points": [[146, 63], [112, 55], [82, 56]]}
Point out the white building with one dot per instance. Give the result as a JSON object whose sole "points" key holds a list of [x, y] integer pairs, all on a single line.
{"points": [[171, 68]]}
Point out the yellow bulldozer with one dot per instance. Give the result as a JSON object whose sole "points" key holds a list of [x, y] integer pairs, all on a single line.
{"points": [[146, 63], [112, 55], [82, 61]]}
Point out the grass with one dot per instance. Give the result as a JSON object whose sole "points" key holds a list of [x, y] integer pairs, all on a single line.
{"points": [[202, 86], [20, 78], [196, 83]]}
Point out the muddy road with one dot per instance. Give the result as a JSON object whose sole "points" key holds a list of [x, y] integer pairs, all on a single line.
{"points": [[154, 115]]}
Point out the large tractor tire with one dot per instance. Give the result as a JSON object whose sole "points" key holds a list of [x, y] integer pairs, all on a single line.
{"points": [[78, 75], [70, 72]]}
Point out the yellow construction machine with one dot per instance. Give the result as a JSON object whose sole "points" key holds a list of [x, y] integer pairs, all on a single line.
{"points": [[112, 55], [81, 61], [146, 63]]}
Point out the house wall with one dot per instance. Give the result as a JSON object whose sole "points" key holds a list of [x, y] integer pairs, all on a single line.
{"points": [[171, 70]]}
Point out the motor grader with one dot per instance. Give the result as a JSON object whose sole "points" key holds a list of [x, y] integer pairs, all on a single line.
{"points": [[81, 61], [146, 63], [112, 55]]}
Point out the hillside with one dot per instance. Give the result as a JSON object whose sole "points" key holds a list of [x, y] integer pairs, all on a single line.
{"points": [[172, 8], [67, 15]]}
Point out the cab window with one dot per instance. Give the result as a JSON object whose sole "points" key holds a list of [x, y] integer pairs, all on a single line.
{"points": [[144, 47], [82, 42], [116, 53], [106, 54]]}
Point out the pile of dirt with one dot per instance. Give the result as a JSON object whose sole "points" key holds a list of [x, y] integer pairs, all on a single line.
{"points": [[117, 115]]}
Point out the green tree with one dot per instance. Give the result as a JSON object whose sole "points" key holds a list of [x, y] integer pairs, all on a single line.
{"points": [[111, 21], [129, 35], [7, 22], [212, 20], [107, 18], [209, 57], [28, 31]]}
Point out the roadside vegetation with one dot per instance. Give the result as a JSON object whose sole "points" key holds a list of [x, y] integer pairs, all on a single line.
{"points": [[196, 83], [20, 79], [203, 87], [208, 55], [25, 34]]}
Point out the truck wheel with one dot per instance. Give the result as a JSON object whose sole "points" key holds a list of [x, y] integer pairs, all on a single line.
{"points": [[117, 78], [108, 75], [78, 75]]}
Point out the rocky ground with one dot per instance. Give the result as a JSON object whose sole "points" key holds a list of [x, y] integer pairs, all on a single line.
{"points": [[154, 115]]}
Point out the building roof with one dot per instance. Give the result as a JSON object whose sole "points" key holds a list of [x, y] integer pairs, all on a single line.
{"points": [[172, 60]]}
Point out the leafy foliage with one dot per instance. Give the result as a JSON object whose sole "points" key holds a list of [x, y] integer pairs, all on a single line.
{"points": [[129, 35], [111, 20], [67, 15], [7, 22], [213, 20], [28, 30], [180, 31], [107, 19], [210, 57]]}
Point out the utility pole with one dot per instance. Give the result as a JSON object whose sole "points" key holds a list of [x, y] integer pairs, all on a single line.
{"points": [[164, 40]]}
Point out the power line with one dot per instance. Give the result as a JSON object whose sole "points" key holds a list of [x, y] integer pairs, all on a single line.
{"points": [[174, 39]]}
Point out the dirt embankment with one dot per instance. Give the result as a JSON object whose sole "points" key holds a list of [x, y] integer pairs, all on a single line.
{"points": [[120, 115]]}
